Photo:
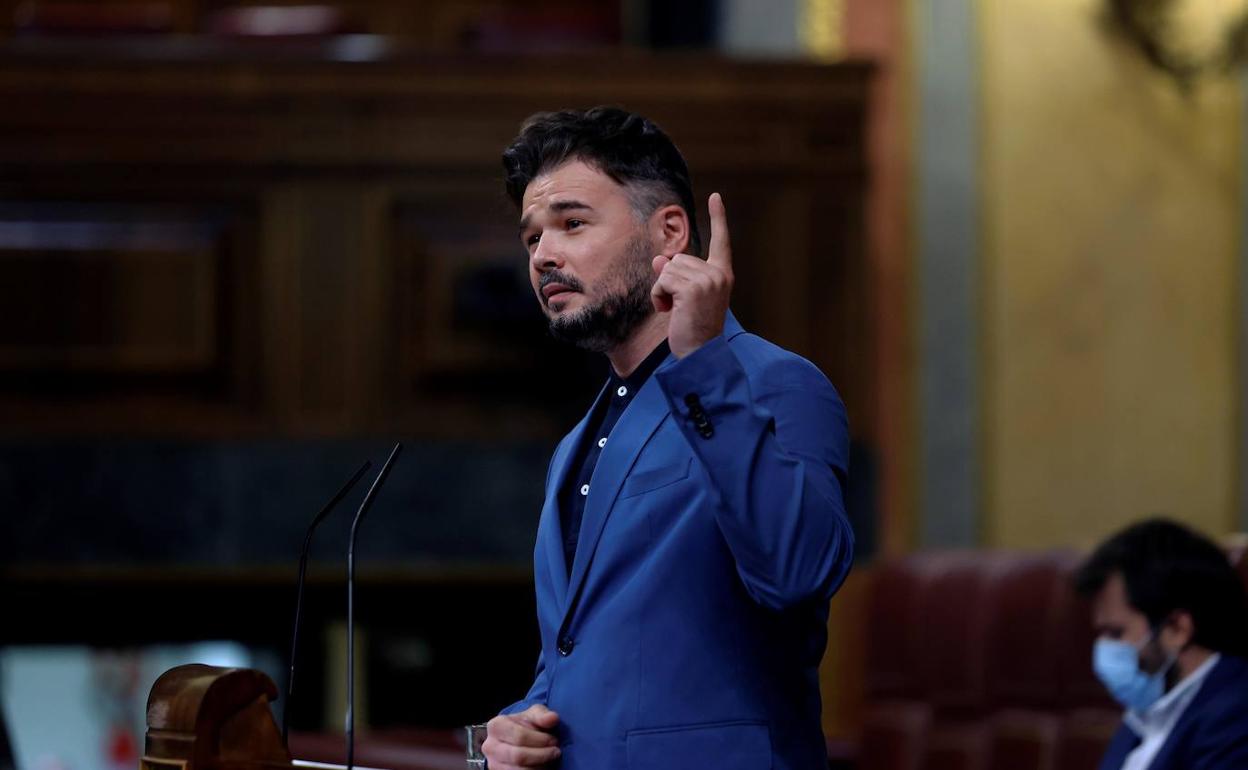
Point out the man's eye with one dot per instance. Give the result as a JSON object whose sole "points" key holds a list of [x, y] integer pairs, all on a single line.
{"points": [[574, 223], [532, 240]]}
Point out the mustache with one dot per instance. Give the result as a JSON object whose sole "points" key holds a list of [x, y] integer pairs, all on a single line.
{"points": [[554, 276]]}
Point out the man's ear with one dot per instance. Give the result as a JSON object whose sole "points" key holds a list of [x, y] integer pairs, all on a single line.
{"points": [[670, 229], [1178, 631]]}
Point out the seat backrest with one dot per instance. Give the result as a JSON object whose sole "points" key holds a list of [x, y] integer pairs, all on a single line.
{"points": [[953, 623], [1237, 552], [1024, 629], [892, 664], [1085, 736], [1025, 740], [1078, 685]]}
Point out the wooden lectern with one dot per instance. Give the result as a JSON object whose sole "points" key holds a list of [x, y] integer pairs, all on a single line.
{"points": [[208, 718]]}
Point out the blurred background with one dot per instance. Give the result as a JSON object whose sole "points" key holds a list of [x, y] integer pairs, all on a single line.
{"points": [[245, 246]]}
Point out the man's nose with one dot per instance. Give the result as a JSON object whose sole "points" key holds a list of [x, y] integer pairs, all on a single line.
{"points": [[546, 256]]}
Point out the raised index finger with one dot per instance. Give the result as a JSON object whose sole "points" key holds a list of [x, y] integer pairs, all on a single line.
{"points": [[720, 251]]}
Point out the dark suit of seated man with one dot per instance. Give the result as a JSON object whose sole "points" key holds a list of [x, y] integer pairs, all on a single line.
{"points": [[1172, 648]]}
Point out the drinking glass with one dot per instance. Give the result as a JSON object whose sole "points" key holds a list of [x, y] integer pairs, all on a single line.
{"points": [[476, 737]]}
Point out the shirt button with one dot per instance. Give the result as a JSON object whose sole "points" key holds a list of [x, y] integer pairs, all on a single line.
{"points": [[565, 646], [584, 489], [623, 391], [602, 442]]}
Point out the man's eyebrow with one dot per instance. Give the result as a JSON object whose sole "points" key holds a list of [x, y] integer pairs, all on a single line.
{"points": [[572, 205], [558, 207]]}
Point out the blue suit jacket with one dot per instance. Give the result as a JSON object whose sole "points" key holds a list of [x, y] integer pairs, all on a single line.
{"points": [[1212, 734], [691, 628]]}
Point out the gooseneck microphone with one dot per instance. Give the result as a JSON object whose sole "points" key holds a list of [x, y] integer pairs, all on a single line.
{"points": [[355, 527], [303, 572]]}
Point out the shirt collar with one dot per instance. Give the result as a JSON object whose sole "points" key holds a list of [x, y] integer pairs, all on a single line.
{"points": [[1162, 715], [643, 371]]}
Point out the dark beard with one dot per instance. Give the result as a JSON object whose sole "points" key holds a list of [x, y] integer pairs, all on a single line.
{"points": [[602, 326]]}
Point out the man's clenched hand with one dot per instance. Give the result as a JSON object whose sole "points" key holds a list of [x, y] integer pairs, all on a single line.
{"points": [[515, 741]]}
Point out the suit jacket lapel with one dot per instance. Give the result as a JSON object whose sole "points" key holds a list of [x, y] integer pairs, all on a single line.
{"points": [[1214, 682], [1123, 743], [636, 425], [552, 540]]}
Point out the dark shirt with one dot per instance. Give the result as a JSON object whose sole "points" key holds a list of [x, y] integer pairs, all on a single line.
{"points": [[619, 394]]}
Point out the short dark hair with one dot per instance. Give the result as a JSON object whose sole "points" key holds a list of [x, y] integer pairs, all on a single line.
{"points": [[1168, 567], [630, 149]]}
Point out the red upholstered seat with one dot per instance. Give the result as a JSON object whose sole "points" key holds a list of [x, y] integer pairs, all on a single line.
{"points": [[1025, 739], [892, 629], [1078, 685], [1025, 628], [996, 704], [894, 736], [1085, 735], [896, 721], [954, 613], [981, 660], [953, 623], [958, 745]]}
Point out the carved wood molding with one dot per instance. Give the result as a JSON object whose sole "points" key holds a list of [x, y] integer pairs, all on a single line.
{"points": [[355, 189]]}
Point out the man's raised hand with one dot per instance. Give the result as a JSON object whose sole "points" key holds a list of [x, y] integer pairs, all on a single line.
{"points": [[696, 292]]}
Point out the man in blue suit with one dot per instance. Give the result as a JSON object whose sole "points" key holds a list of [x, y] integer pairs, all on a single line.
{"points": [[694, 528], [1172, 619]]}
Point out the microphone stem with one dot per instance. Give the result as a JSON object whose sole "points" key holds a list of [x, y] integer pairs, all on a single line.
{"points": [[294, 637], [355, 528], [299, 583], [351, 653]]}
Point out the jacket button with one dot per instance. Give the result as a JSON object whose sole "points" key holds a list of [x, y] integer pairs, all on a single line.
{"points": [[565, 646]]}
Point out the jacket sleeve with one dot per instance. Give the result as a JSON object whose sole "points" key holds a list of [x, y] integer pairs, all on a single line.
{"points": [[777, 459], [538, 693]]}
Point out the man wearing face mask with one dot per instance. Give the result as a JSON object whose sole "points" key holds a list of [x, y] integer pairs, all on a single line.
{"points": [[1172, 647]]}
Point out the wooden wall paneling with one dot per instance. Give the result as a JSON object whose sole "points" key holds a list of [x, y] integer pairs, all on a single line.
{"points": [[450, 111], [795, 243], [785, 270], [475, 358], [244, 375], [108, 309], [762, 258], [279, 331], [330, 229], [840, 318], [326, 305], [441, 25], [114, 312], [376, 196], [883, 30], [373, 346]]}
